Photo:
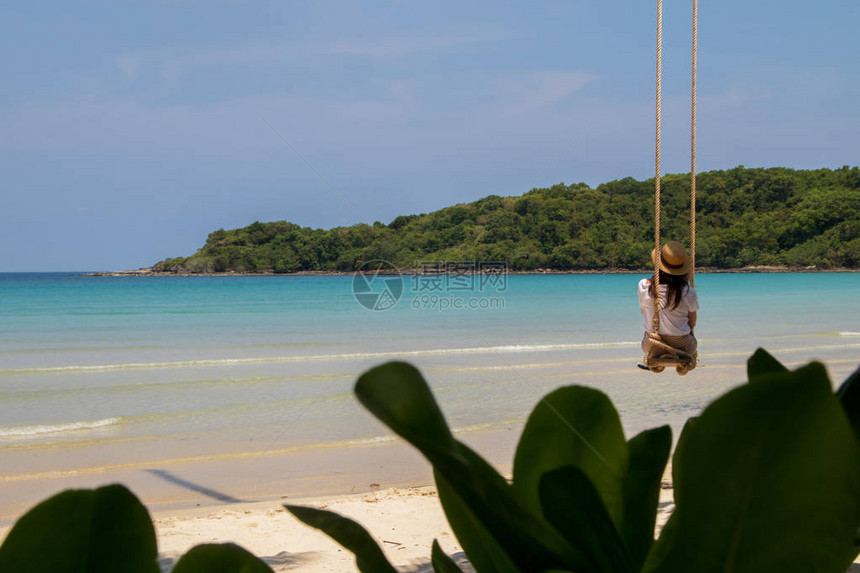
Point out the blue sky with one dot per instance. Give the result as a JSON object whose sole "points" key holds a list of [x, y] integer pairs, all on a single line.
{"points": [[130, 130]]}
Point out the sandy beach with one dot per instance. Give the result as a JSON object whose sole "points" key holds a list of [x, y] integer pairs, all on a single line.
{"points": [[385, 486], [404, 521]]}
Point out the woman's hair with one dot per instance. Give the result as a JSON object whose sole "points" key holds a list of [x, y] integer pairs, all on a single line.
{"points": [[675, 286]]}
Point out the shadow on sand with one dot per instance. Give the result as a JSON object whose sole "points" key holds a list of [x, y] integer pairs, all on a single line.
{"points": [[167, 476], [459, 558]]}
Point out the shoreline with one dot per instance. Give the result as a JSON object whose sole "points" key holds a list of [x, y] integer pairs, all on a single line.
{"points": [[759, 269], [170, 486], [386, 487]]}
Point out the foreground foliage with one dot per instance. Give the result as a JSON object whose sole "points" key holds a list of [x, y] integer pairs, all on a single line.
{"points": [[745, 217], [767, 478]]}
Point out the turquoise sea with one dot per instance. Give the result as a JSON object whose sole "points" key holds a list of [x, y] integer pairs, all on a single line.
{"points": [[172, 383]]}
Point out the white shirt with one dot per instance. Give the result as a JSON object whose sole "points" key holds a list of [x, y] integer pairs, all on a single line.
{"points": [[673, 322]]}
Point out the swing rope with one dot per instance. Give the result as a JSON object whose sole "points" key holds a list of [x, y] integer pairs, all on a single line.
{"points": [[693, 150], [655, 336], [656, 320]]}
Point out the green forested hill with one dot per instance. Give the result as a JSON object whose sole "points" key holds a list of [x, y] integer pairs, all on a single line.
{"points": [[746, 217]]}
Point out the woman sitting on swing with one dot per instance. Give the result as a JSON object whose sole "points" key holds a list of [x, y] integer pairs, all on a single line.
{"points": [[678, 307]]}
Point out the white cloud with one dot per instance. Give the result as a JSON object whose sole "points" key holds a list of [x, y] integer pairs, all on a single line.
{"points": [[230, 128], [541, 89], [172, 62], [737, 98], [128, 65], [396, 47]]}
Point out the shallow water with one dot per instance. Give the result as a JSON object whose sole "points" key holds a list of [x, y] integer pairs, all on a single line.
{"points": [[101, 374]]}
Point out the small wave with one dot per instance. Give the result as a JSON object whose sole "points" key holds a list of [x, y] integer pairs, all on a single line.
{"points": [[848, 333], [325, 357], [363, 441], [39, 430]]}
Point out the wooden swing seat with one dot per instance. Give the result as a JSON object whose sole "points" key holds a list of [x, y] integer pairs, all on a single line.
{"points": [[681, 365]]}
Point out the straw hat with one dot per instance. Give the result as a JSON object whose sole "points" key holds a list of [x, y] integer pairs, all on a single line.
{"points": [[673, 258]]}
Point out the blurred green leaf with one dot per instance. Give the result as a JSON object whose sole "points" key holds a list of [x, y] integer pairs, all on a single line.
{"points": [[368, 556], [689, 427], [572, 505], [398, 395], [762, 363], [649, 452], [104, 530], [484, 553], [766, 480], [573, 426], [529, 541], [661, 550], [441, 562], [220, 558], [849, 396]]}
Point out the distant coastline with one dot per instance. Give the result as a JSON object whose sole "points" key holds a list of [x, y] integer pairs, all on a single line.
{"points": [[151, 272], [749, 221]]}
